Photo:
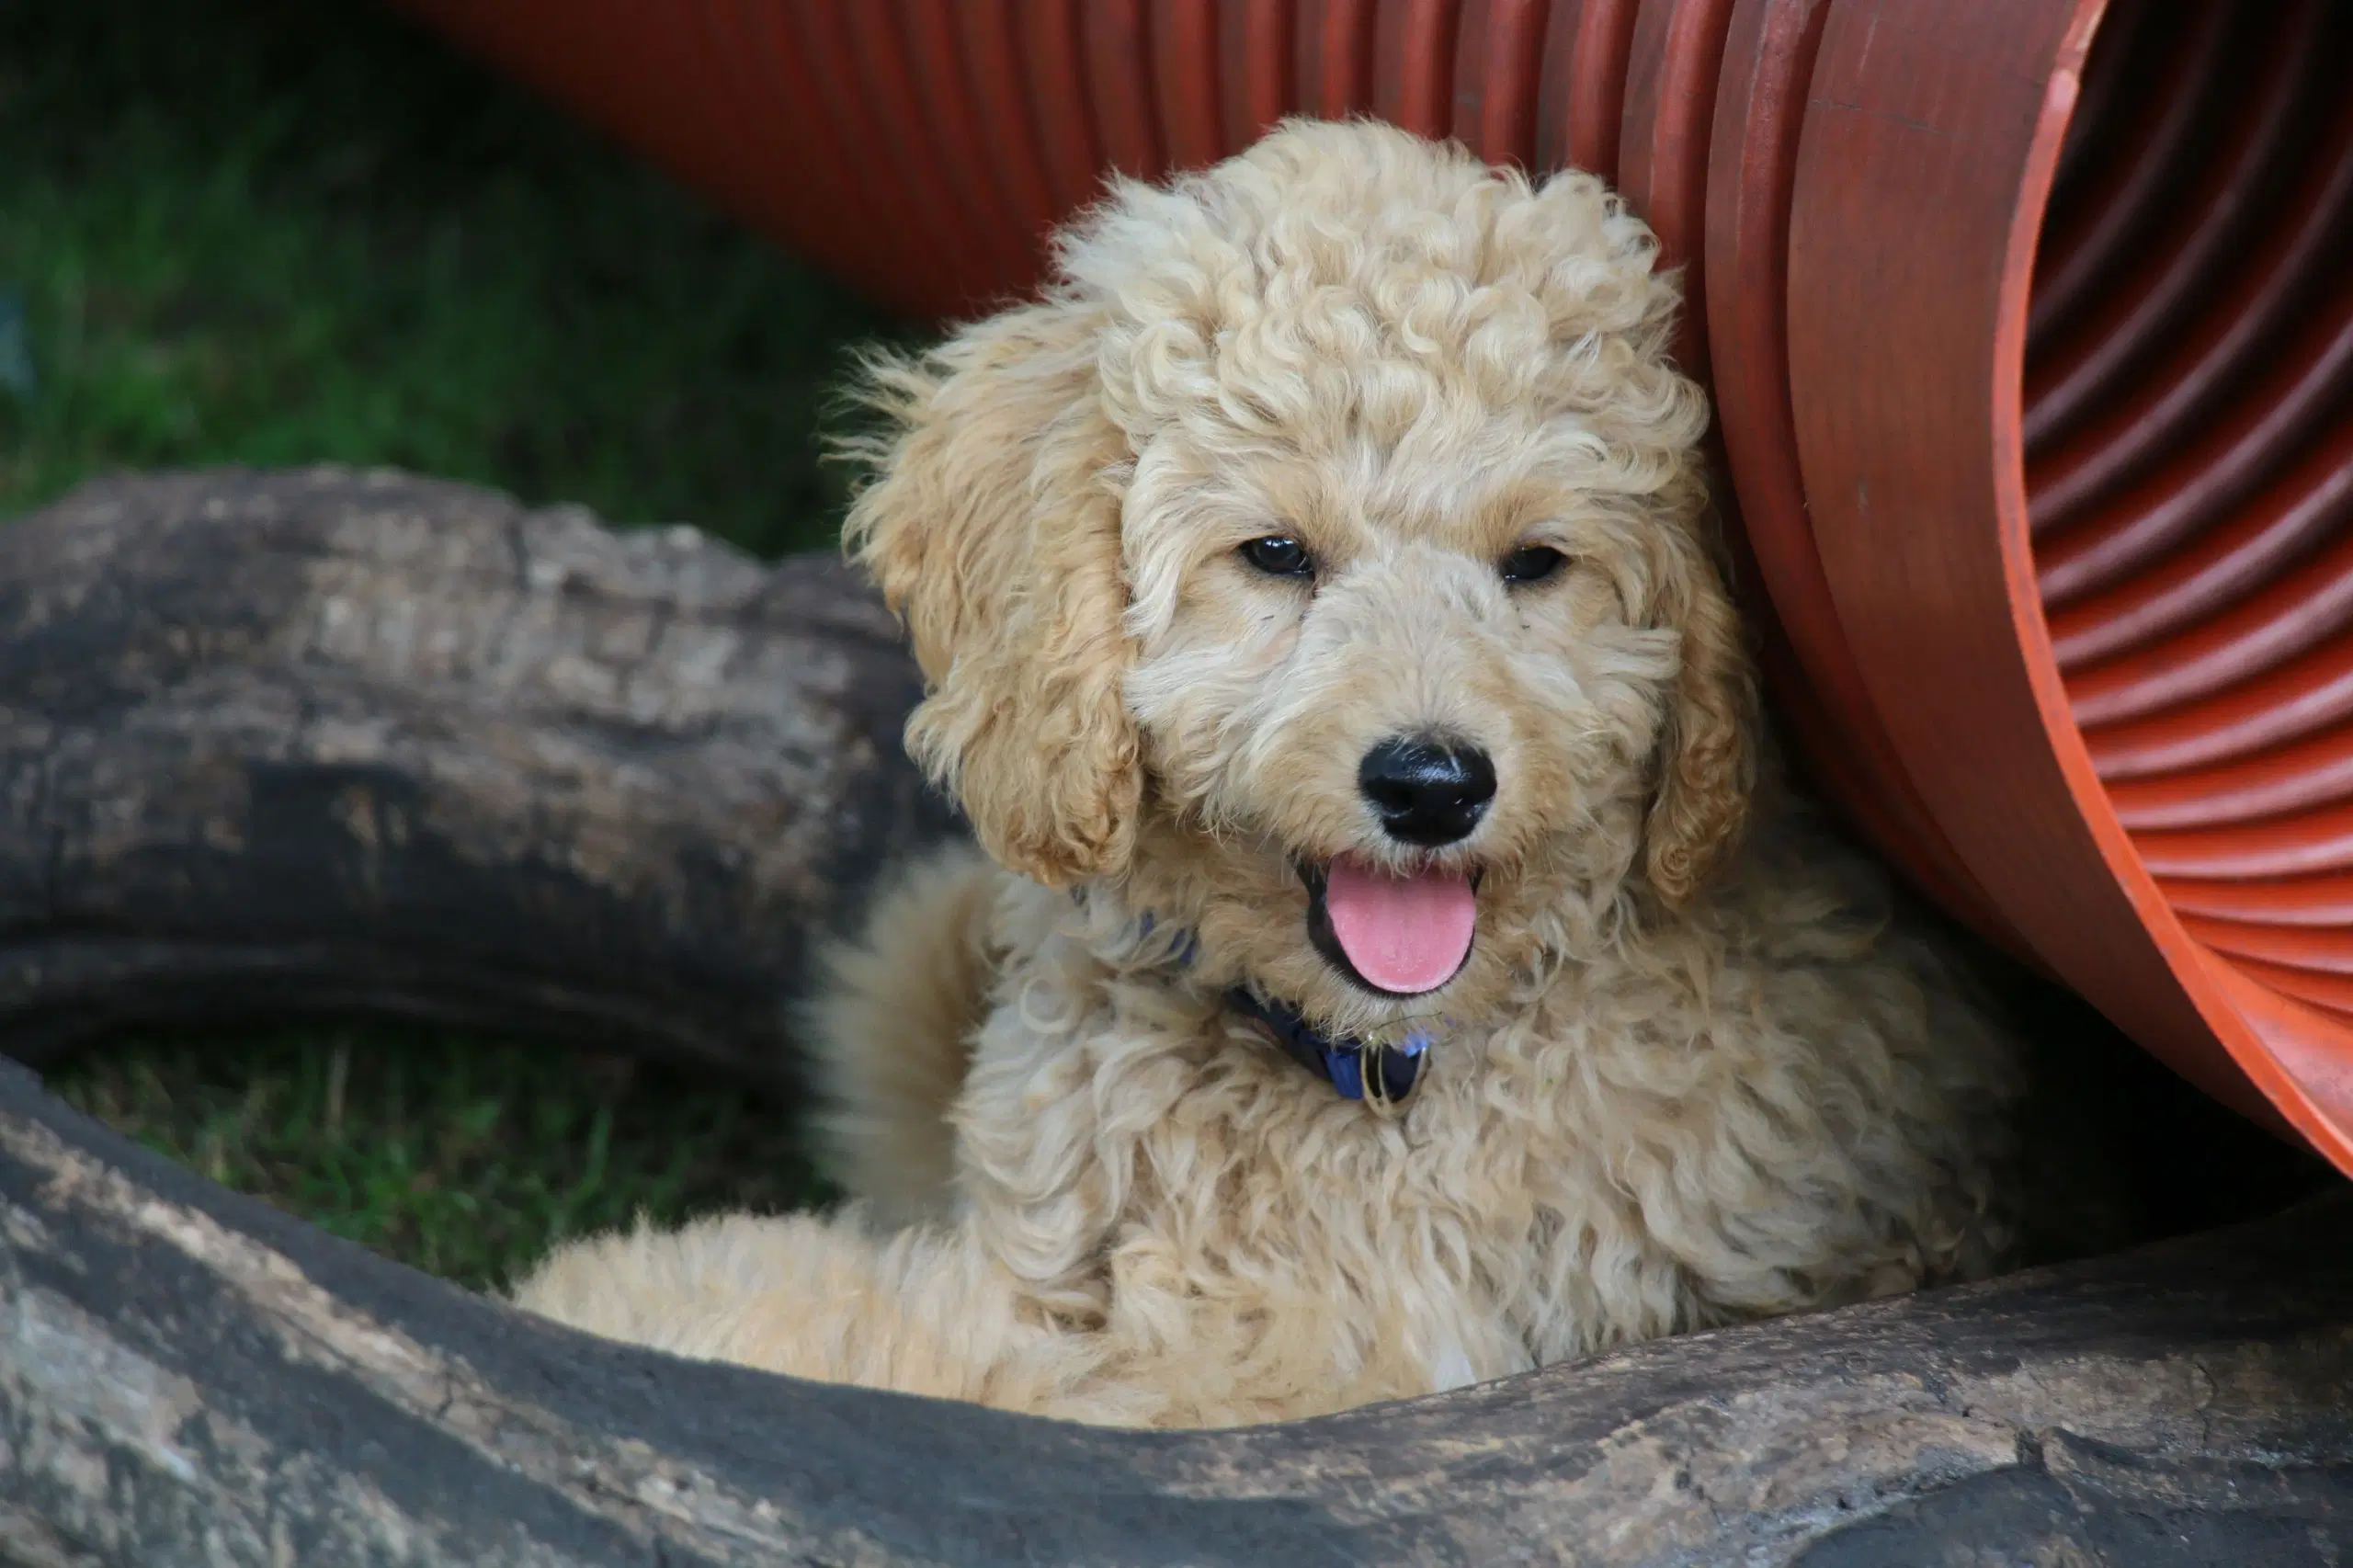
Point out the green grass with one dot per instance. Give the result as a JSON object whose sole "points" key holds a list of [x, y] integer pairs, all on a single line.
{"points": [[268, 231], [463, 1156]]}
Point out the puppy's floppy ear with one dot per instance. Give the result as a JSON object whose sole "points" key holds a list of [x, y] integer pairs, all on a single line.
{"points": [[1707, 763], [991, 524]]}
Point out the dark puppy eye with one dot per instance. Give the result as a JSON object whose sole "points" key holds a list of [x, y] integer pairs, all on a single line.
{"points": [[1531, 564], [1278, 555]]}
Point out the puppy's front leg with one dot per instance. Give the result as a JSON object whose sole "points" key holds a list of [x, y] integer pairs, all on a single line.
{"points": [[921, 1310]]}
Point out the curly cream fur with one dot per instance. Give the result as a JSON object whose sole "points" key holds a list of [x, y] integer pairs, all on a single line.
{"points": [[912, 996], [1692, 1070]]}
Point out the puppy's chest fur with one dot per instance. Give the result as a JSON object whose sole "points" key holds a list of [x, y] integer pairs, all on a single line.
{"points": [[1655, 1140]]}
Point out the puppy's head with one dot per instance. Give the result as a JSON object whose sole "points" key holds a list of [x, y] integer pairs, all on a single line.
{"points": [[1323, 561]]}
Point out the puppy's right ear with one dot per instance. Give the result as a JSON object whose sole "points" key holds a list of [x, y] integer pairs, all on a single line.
{"points": [[991, 524]]}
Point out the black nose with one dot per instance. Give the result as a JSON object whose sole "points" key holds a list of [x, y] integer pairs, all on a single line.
{"points": [[1428, 793]]}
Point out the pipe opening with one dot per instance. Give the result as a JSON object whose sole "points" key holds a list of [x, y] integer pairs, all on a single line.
{"points": [[2188, 436]]}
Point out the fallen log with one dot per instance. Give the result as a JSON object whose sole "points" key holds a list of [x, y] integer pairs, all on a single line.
{"points": [[327, 740], [187, 1376], [322, 741]]}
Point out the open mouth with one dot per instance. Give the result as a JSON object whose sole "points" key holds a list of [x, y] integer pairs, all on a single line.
{"points": [[1392, 935]]}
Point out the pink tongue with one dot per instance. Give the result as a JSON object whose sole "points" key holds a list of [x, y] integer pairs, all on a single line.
{"points": [[1404, 934]]}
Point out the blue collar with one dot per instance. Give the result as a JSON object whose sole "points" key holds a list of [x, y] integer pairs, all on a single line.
{"points": [[1340, 1062]]}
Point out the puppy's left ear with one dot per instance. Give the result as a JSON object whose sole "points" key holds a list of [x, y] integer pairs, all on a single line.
{"points": [[1707, 760], [992, 526]]}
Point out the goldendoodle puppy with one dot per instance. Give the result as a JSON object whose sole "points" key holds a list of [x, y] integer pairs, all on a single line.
{"points": [[1395, 964]]}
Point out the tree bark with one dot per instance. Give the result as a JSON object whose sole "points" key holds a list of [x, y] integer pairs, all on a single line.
{"points": [[278, 743], [330, 740], [187, 1376]]}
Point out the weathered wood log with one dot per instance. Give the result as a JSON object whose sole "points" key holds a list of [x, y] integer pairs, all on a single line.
{"points": [[188, 1377], [326, 740], [274, 742]]}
